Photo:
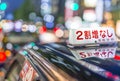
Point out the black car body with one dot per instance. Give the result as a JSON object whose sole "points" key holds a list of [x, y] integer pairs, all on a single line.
{"points": [[59, 62]]}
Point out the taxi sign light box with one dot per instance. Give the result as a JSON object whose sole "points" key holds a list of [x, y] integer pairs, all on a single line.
{"points": [[103, 53], [98, 35]]}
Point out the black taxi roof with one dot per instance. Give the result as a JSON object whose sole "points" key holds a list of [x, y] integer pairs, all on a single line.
{"points": [[98, 60], [104, 56]]}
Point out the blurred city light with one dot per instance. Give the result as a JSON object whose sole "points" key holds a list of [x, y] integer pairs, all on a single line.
{"points": [[107, 5], [48, 18], [94, 24], [8, 26], [24, 27], [99, 10], [48, 37], [55, 29], [32, 16], [108, 16], [42, 29], [74, 23], [8, 53], [68, 11], [58, 32], [90, 3], [49, 25], [3, 6], [68, 3], [2, 57], [74, 6], [9, 46], [32, 28], [89, 15], [46, 7], [61, 26], [11, 25], [18, 26]]}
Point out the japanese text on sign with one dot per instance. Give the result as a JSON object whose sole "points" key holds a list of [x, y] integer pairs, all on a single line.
{"points": [[94, 34], [100, 53], [28, 73], [90, 35]]}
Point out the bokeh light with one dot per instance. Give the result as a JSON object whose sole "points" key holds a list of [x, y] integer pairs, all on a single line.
{"points": [[32, 28], [74, 23], [24, 27], [59, 33], [49, 25], [48, 18], [18, 26], [89, 15], [3, 6], [42, 29], [48, 38], [90, 3], [74, 6], [9, 46]]}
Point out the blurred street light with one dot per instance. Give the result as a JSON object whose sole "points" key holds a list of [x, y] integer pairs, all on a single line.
{"points": [[3, 6], [75, 6]]}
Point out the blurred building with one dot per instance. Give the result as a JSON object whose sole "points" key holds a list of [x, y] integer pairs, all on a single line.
{"points": [[116, 15], [116, 9]]}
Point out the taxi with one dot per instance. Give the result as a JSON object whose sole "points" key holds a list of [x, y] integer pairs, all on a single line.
{"points": [[47, 63], [69, 62]]}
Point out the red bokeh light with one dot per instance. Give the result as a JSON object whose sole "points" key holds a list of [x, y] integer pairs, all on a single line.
{"points": [[55, 29], [0, 30], [2, 57], [42, 29]]}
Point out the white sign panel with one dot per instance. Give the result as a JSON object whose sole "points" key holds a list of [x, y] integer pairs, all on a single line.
{"points": [[28, 73], [108, 52], [98, 35]]}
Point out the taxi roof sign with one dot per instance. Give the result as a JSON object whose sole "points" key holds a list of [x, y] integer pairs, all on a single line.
{"points": [[86, 36], [101, 52]]}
